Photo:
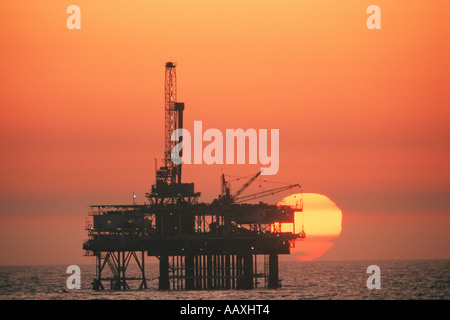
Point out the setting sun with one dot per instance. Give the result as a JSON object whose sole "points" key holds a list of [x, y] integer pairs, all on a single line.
{"points": [[321, 220]]}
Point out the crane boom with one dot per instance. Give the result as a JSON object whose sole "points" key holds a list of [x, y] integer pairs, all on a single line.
{"points": [[246, 185], [265, 193]]}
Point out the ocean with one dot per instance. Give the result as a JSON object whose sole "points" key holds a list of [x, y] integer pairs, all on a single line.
{"points": [[315, 280]]}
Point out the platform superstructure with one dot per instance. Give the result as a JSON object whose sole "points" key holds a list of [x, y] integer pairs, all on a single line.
{"points": [[226, 244]]}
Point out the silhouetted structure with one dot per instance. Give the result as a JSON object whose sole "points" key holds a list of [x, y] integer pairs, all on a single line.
{"points": [[199, 246]]}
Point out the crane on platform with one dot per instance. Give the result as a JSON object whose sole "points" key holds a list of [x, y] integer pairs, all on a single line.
{"points": [[227, 198], [266, 193]]}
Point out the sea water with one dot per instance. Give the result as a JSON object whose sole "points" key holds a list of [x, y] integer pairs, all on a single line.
{"points": [[316, 280]]}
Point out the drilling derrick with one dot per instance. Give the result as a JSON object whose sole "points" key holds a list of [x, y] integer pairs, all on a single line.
{"points": [[168, 187], [225, 244], [173, 121]]}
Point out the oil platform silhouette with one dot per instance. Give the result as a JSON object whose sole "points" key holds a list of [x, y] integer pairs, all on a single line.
{"points": [[225, 244]]}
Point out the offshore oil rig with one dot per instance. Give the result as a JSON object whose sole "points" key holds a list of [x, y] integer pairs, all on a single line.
{"points": [[225, 244]]}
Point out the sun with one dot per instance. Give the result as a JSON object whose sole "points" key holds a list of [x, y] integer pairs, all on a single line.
{"points": [[321, 220]]}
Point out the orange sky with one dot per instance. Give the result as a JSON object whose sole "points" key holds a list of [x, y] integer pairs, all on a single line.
{"points": [[363, 114]]}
